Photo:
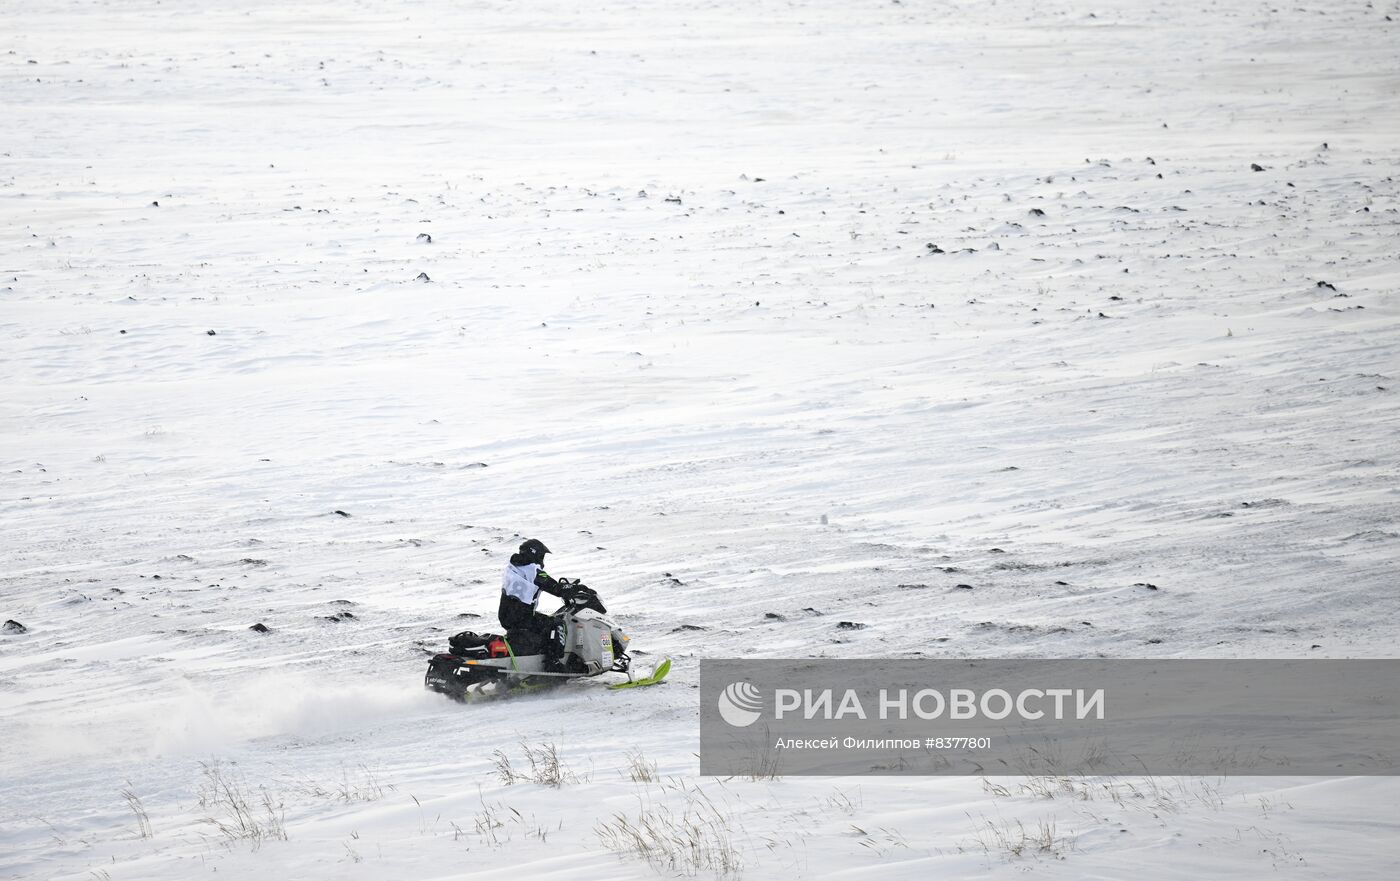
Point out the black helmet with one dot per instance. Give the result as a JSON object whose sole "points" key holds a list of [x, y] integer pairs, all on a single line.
{"points": [[533, 550]]}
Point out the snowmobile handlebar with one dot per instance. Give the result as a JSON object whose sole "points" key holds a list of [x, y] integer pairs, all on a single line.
{"points": [[577, 595]]}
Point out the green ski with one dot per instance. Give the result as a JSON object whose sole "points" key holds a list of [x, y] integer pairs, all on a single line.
{"points": [[654, 678]]}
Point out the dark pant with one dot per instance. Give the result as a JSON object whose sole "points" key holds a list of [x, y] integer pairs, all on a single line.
{"points": [[527, 631]]}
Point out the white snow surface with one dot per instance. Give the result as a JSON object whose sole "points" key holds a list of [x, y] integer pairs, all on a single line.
{"points": [[683, 319]]}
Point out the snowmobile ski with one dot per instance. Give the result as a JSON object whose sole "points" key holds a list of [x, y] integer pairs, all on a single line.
{"points": [[654, 678]]}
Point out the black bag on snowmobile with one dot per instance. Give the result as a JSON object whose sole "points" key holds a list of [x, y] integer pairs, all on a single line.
{"points": [[468, 644]]}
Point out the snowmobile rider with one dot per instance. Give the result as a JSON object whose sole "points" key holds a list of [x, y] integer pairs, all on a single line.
{"points": [[528, 631]]}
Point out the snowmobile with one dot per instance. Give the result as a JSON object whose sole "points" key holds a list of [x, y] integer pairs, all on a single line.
{"points": [[485, 665]]}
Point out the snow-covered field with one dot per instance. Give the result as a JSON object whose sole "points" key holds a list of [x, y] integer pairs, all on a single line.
{"points": [[808, 310]]}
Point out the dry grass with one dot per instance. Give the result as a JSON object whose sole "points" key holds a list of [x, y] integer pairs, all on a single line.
{"points": [[765, 766], [497, 823], [640, 769], [699, 838], [844, 802], [883, 841], [544, 766], [1015, 840], [235, 812], [361, 785], [364, 786], [1156, 794], [133, 801]]}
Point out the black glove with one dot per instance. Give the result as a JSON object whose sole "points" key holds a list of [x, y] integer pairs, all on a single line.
{"points": [[549, 585]]}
